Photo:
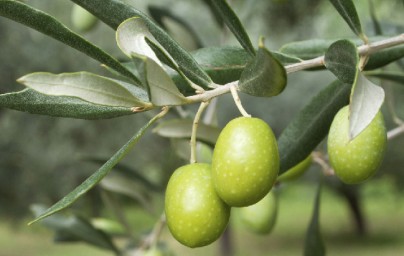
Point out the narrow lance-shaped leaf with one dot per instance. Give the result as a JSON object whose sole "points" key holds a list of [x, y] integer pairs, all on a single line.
{"points": [[347, 10], [89, 87], [264, 76], [48, 25], [96, 177], [31, 101], [114, 12], [388, 75], [311, 125], [314, 244], [234, 24], [342, 59], [366, 100]]}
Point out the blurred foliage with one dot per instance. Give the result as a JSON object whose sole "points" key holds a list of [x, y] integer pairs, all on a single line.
{"points": [[41, 158]]}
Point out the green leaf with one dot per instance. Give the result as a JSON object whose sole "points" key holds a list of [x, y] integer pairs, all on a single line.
{"points": [[234, 24], [347, 10], [264, 76], [89, 87], [162, 89], [384, 57], [366, 100], [176, 26], [342, 59], [216, 15], [314, 244], [75, 228], [182, 128], [31, 101], [387, 75], [97, 176], [311, 125], [113, 13], [183, 150], [308, 49], [48, 25]]}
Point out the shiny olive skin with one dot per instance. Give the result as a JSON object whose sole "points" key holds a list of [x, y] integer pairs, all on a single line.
{"points": [[296, 171], [357, 160], [82, 20], [195, 214], [260, 217], [245, 161]]}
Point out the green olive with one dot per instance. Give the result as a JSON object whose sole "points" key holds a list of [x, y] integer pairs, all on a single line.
{"points": [[245, 161], [260, 217], [296, 171], [356, 160], [82, 20], [195, 214]]}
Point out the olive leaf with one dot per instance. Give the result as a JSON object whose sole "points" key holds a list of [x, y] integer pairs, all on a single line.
{"points": [[89, 87], [347, 10], [342, 59], [264, 76], [31, 101], [366, 100], [393, 76]]}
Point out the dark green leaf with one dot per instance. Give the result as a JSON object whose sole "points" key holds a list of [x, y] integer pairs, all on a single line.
{"points": [[89, 87], [48, 25], [311, 125], [384, 57], [264, 76], [388, 75], [166, 19], [308, 49], [366, 101], [182, 128], [97, 176], [113, 13], [75, 228], [347, 10], [234, 24], [314, 244], [61, 106], [342, 60]]}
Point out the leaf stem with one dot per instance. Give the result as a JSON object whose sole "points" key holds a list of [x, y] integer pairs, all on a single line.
{"points": [[395, 132], [237, 101], [198, 115]]}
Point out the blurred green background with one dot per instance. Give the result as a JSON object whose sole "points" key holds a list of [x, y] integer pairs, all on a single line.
{"points": [[43, 158]]}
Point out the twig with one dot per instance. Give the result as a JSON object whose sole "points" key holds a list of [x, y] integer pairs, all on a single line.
{"points": [[198, 114], [320, 159], [237, 101], [395, 132]]}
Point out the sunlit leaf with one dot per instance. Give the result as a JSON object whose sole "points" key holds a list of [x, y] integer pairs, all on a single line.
{"points": [[347, 10], [342, 60], [366, 100], [89, 87], [182, 128], [48, 25], [305, 131], [234, 24], [75, 228], [314, 244], [264, 76], [97, 176], [31, 101]]}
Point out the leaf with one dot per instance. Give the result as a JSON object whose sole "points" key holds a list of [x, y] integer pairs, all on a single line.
{"points": [[342, 59], [234, 24], [347, 10], [34, 102], [386, 56], [48, 25], [182, 128], [366, 100], [89, 87], [305, 131], [113, 13], [162, 89], [216, 15], [387, 75], [183, 150], [314, 244], [176, 26], [96, 177], [308, 49], [75, 228], [264, 76], [131, 38]]}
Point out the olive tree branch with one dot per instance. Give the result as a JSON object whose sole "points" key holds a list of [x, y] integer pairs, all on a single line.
{"points": [[366, 49], [395, 132], [195, 124]]}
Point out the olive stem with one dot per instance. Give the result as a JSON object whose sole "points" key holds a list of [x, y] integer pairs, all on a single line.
{"points": [[237, 101], [320, 159], [195, 124], [395, 132]]}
